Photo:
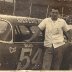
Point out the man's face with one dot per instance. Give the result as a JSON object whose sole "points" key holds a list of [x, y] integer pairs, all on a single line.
{"points": [[54, 14]]}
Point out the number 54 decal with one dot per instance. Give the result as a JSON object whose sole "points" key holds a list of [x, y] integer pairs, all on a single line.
{"points": [[26, 58]]}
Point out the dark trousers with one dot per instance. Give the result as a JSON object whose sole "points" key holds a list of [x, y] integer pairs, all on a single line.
{"points": [[53, 57], [47, 58]]}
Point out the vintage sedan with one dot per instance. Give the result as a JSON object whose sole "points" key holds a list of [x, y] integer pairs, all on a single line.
{"points": [[15, 53]]}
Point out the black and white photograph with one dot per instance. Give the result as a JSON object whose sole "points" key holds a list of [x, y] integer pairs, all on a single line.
{"points": [[36, 35]]}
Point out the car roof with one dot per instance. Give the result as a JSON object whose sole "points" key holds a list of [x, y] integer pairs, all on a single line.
{"points": [[21, 20]]}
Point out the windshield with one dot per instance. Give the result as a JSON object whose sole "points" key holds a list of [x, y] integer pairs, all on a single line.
{"points": [[5, 31]]}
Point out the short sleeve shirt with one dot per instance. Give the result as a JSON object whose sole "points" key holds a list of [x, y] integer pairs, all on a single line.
{"points": [[53, 31]]}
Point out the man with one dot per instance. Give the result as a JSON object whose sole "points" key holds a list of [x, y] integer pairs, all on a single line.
{"points": [[54, 44]]}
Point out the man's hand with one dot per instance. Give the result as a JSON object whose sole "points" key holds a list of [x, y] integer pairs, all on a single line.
{"points": [[27, 40], [35, 35], [70, 42]]}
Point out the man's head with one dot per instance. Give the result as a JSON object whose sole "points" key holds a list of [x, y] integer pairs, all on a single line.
{"points": [[54, 14]]}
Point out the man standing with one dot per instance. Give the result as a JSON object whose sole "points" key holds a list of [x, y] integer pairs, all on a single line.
{"points": [[54, 43]]}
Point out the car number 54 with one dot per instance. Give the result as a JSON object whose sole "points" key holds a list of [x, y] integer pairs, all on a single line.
{"points": [[25, 60]]}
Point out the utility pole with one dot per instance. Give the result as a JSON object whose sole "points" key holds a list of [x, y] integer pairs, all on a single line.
{"points": [[14, 8], [47, 11], [62, 11], [3, 6], [30, 8]]}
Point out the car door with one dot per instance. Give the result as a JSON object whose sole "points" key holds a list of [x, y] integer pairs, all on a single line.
{"points": [[31, 53], [9, 52]]}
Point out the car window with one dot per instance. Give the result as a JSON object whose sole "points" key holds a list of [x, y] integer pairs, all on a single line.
{"points": [[23, 33], [5, 31]]}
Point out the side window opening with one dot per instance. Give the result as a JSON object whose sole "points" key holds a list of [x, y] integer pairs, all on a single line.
{"points": [[23, 33]]}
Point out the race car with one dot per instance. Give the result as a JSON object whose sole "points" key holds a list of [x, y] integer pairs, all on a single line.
{"points": [[15, 53]]}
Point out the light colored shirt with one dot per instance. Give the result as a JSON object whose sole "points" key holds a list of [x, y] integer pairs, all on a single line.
{"points": [[70, 26], [53, 31]]}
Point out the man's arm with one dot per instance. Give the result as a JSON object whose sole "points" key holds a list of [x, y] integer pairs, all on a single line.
{"points": [[36, 34], [41, 27], [69, 35], [67, 31]]}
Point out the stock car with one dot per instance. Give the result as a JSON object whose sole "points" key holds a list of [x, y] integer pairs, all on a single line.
{"points": [[15, 53]]}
